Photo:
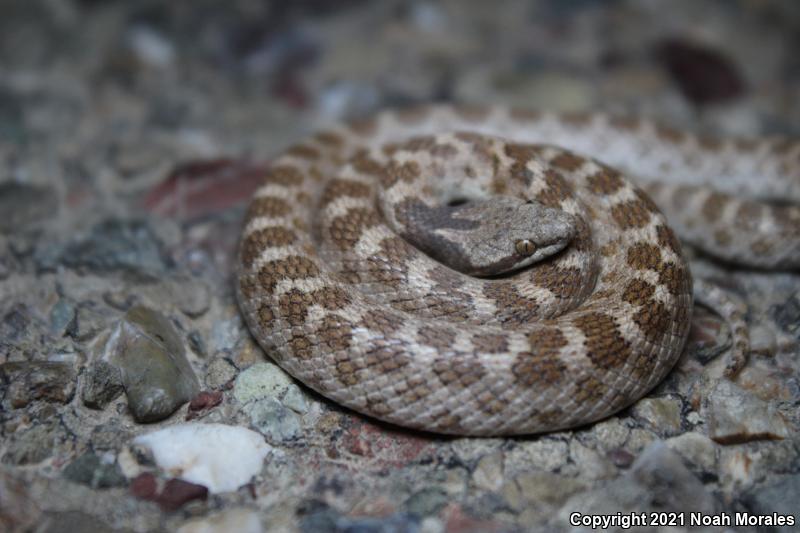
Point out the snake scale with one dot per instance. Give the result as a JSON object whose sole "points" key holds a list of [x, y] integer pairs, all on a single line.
{"points": [[375, 268]]}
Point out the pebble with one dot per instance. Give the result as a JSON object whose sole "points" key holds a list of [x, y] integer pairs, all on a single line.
{"points": [[266, 380], [26, 382], [102, 384], [219, 457], [663, 414], [276, 422], [87, 321], [152, 361], [219, 373], [736, 416], [91, 470], [697, 449], [488, 474]]}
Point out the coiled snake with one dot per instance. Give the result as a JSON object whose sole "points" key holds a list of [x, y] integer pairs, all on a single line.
{"points": [[385, 263]]}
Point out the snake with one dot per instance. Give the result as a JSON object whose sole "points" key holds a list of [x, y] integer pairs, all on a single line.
{"points": [[487, 270]]}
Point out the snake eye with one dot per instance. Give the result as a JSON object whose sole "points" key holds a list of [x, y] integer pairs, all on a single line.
{"points": [[525, 247]]}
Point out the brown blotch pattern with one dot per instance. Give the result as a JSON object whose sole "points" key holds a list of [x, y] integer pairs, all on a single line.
{"points": [[671, 135], [667, 239], [293, 267], [489, 343], [712, 144], [515, 309], [605, 345], [386, 356], [638, 292], [268, 237], [654, 321], [722, 237], [286, 175], [407, 171], [384, 322], [558, 189], [459, 371], [268, 206], [345, 230], [364, 164], [341, 187], [542, 365], [524, 115], [567, 161], [330, 138], [625, 123], [631, 214], [605, 182], [303, 151], [436, 337], [472, 112], [714, 205], [644, 256]]}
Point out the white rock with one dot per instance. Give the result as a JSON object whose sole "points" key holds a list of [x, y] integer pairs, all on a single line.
{"points": [[220, 457]]}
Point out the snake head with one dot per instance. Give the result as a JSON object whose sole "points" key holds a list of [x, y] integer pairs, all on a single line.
{"points": [[492, 236]]}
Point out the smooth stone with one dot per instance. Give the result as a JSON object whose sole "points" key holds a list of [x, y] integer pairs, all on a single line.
{"points": [[736, 416], [157, 377], [276, 422], [266, 380], [781, 495], [220, 372], [90, 470], [697, 449], [217, 456], [28, 381]]}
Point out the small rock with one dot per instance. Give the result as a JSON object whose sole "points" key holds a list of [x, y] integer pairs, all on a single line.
{"points": [[239, 520], [90, 470], [26, 382], [295, 399], [219, 373], [663, 415], [25, 206], [117, 245], [266, 380], [270, 418], [220, 457], [787, 315], [203, 401], [177, 492], [261, 380], [151, 358], [697, 449], [736, 416], [488, 474], [102, 384], [426, 502]]}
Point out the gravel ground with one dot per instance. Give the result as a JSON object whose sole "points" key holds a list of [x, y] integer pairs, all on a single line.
{"points": [[132, 397]]}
